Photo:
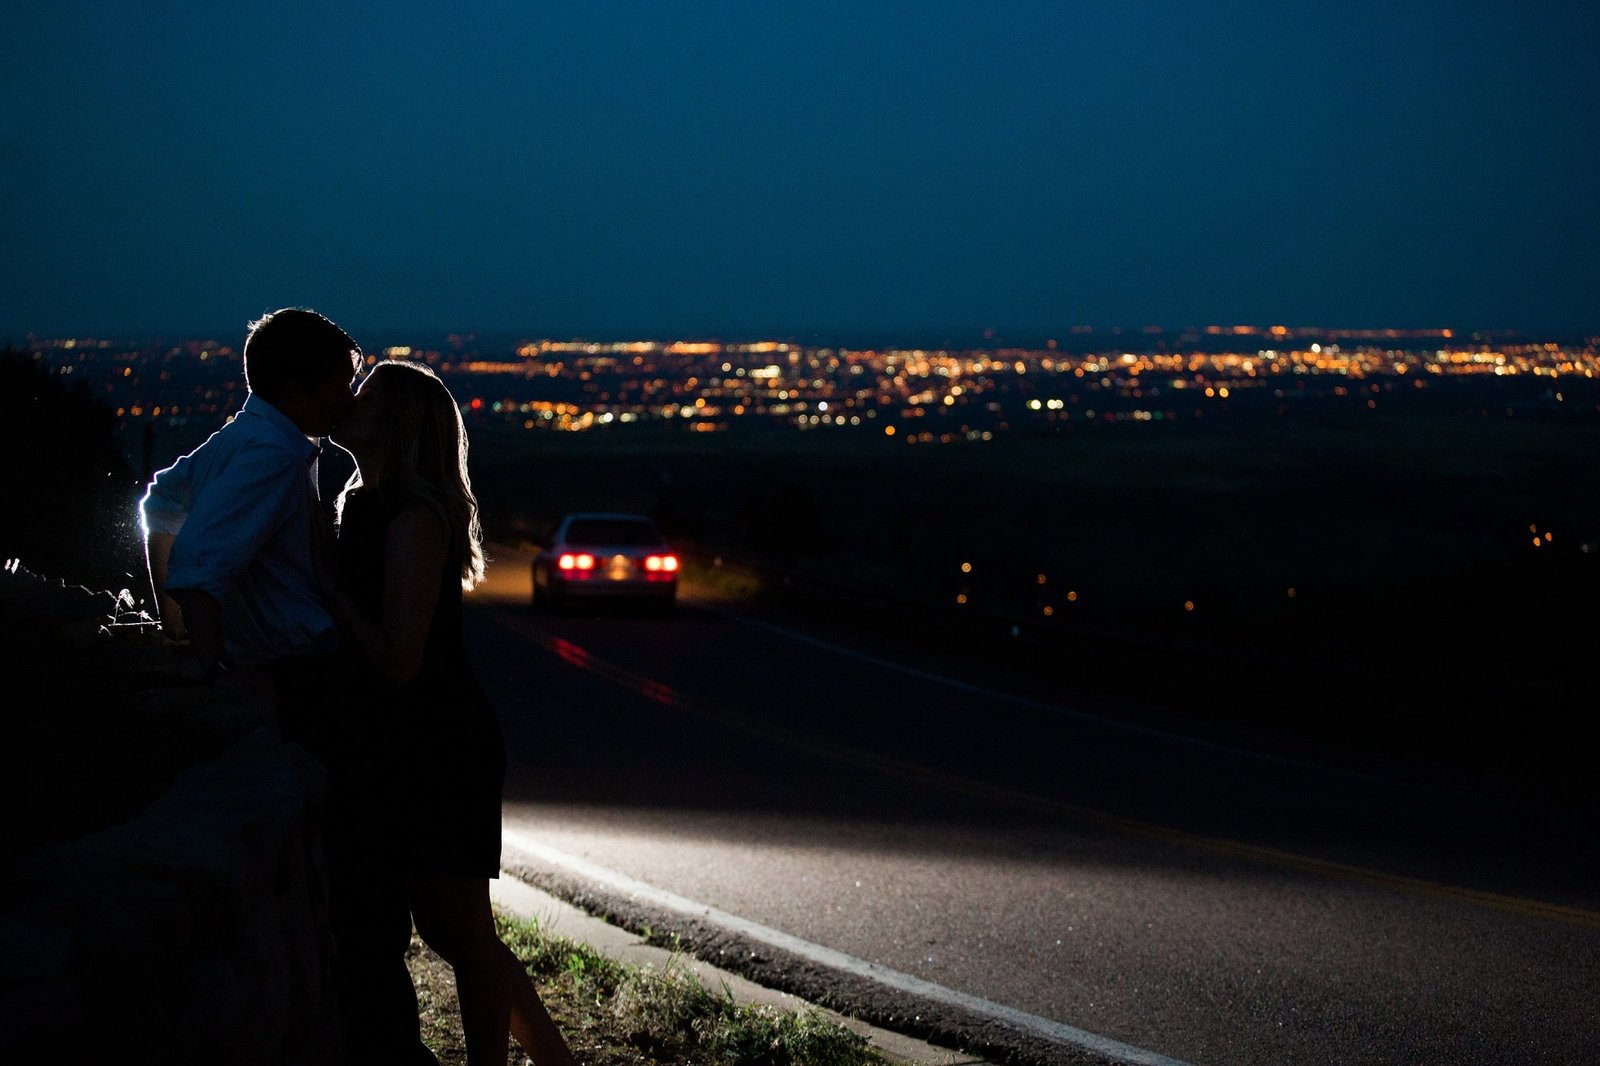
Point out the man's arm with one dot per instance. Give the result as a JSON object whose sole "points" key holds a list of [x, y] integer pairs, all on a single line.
{"points": [[157, 548], [162, 511], [223, 531]]}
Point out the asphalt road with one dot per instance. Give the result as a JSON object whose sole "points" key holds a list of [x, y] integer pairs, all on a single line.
{"points": [[1081, 866]]}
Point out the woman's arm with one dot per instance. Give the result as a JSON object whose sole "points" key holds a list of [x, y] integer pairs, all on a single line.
{"points": [[414, 555]]}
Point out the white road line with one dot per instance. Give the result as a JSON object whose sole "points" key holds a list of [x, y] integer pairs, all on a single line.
{"points": [[1032, 1024]]}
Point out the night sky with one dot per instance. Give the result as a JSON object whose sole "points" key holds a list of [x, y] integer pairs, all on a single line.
{"points": [[751, 168]]}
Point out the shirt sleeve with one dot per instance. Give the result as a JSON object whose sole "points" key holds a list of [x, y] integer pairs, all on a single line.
{"points": [[166, 503], [228, 524]]}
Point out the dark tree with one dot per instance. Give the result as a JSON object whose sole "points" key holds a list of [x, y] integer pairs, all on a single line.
{"points": [[70, 498]]}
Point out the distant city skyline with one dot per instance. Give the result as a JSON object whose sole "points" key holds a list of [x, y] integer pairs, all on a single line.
{"points": [[180, 392], [811, 171]]}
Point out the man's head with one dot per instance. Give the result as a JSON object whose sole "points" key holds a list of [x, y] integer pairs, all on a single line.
{"points": [[302, 364]]}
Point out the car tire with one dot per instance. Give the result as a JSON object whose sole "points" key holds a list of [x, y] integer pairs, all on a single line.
{"points": [[545, 598]]}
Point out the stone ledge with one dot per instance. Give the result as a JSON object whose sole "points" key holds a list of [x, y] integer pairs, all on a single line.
{"points": [[190, 921]]}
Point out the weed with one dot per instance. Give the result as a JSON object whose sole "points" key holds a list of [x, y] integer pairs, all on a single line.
{"points": [[615, 1014]]}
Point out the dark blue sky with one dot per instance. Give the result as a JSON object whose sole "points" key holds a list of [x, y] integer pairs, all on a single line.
{"points": [[751, 168]]}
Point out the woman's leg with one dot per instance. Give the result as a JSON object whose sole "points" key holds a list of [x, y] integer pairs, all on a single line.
{"points": [[497, 997], [530, 1022]]}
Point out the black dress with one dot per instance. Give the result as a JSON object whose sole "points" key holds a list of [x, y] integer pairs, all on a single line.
{"points": [[443, 750]]}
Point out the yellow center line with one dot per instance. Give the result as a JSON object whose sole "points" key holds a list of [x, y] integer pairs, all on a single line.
{"points": [[668, 696]]}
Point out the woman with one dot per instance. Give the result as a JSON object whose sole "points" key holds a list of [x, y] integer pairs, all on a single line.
{"points": [[409, 543]]}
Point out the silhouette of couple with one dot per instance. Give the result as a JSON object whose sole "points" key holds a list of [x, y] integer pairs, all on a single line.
{"points": [[354, 641]]}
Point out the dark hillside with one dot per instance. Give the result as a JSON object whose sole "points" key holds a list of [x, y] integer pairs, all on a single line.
{"points": [[1449, 550]]}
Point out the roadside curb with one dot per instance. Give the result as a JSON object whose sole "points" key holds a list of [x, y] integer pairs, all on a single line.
{"points": [[515, 894], [910, 1019]]}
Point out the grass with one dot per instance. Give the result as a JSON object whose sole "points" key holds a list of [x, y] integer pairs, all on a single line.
{"points": [[614, 1014], [722, 580]]}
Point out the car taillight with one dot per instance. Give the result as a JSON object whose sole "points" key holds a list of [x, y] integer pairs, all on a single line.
{"points": [[575, 561], [661, 564]]}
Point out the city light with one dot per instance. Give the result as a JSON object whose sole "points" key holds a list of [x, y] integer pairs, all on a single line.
{"points": [[965, 396]]}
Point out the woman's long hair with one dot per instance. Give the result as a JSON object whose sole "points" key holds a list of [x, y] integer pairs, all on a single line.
{"points": [[425, 459]]}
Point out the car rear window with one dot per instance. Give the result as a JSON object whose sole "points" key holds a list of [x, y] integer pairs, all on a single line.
{"points": [[619, 532]]}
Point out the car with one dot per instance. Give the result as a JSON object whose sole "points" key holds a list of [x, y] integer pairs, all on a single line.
{"points": [[603, 555]]}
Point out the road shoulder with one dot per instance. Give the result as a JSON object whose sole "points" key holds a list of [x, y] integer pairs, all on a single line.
{"points": [[518, 897]]}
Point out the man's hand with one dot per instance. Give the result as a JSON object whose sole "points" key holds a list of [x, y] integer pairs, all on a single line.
{"points": [[204, 615]]}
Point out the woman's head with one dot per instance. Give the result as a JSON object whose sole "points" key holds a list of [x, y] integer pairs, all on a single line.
{"points": [[411, 447], [407, 420]]}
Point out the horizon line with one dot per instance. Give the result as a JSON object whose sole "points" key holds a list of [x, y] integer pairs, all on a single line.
{"points": [[975, 336]]}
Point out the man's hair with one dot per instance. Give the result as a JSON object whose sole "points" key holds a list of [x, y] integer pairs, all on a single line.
{"points": [[296, 344]]}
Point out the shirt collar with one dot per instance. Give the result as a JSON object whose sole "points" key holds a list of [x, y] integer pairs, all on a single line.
{"points": [[256, 407]]}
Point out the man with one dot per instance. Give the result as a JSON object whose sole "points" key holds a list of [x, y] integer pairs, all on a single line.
{"points": [[228, 539], [228, 526]]}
